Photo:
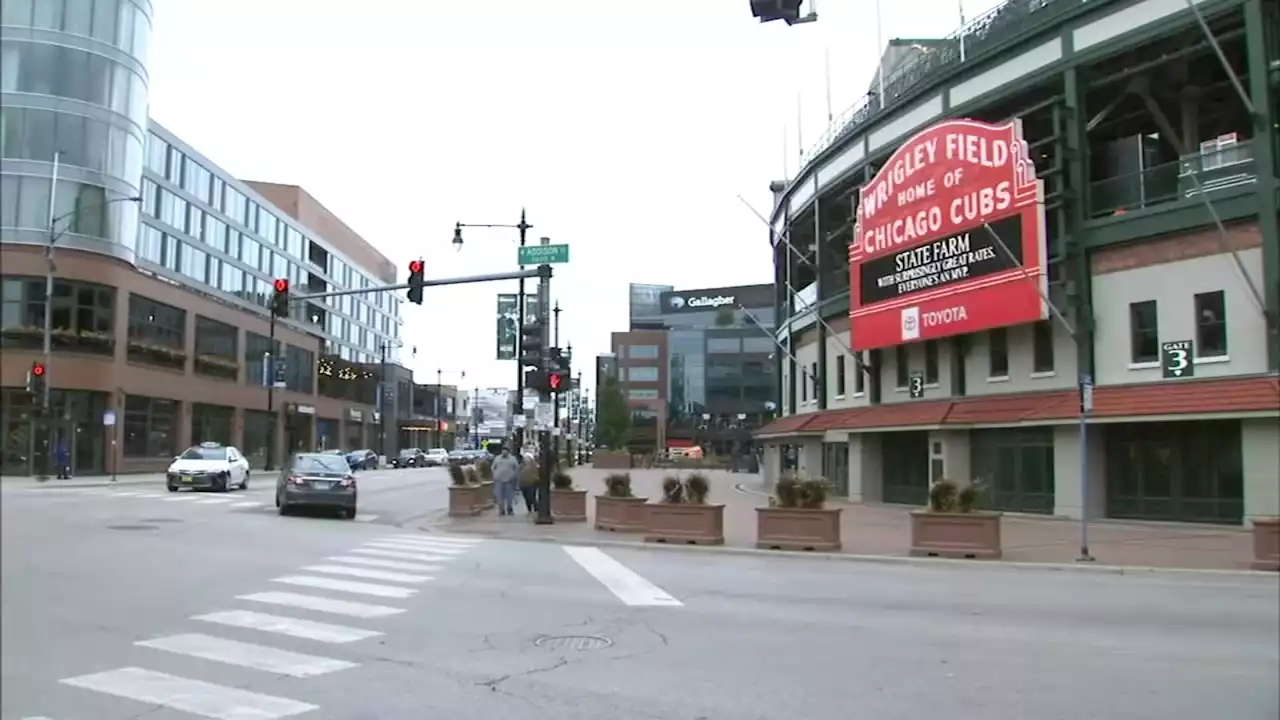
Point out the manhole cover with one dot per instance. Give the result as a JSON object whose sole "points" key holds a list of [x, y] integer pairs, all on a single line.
{"points": [[577, 643], [160, 520], [133, 527]]}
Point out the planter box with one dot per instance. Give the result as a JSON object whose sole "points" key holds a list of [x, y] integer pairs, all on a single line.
{"points": [[798, 528], [689, 524], [974, 535], [620, 514], [1266, 544], [569, 505], [611, 460], [484, 496], [464, 500]]}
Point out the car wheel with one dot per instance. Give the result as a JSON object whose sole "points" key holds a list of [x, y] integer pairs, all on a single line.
{"points": [[173, 488], [221, 486], [244, 484], [349, 513]]}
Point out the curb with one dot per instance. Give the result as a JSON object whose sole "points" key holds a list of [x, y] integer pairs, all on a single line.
{"points": [[54, 485], [1005, 565]]}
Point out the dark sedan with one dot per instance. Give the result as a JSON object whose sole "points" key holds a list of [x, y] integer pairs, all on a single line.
{"points": [[412, 457], [317, 480], [362, 460]]}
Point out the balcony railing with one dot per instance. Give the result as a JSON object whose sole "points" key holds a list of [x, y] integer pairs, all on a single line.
{"points": [[985, 33], [1227, 167]]}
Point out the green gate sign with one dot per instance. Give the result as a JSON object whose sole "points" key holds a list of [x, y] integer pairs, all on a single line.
{"points": [[544, 254]]}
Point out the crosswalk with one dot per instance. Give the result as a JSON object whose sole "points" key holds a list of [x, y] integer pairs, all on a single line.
{"points": [[350, 591], [232, 501]]}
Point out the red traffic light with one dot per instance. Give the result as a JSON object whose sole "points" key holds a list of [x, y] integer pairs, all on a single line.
{"points": [[553, 381], [37, 369], [415, 266], [282, 285]]}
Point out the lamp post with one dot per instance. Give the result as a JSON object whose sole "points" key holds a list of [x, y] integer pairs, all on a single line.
{"points": [[57, 229], [523, 227]]}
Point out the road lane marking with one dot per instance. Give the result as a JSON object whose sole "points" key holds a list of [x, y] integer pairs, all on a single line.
{"points": [[323, 604], [214, 501], [296, 627], [247, 504], [416, 547], [150, 495], [446, 539], [193, 696], [399, 555], [125, 494], [619, 579], [363, 517], [368, 574], [390, 564], [182, 498], [258, 657], [360, 588]]}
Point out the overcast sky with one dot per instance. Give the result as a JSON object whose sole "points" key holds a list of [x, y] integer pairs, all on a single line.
{"points": [[627, 129]]}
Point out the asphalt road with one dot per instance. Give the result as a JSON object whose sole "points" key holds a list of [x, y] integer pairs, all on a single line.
{"points": [[120, 608]]}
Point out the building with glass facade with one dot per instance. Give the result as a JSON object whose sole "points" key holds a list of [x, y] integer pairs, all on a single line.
{"points": [[698, 366], [164, 263]]}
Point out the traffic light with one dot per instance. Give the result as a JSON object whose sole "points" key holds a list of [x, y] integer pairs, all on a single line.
{"points": [[280, 301], [415, 282], [36, 379], [555, 381], [531, 345], [558, 377]]}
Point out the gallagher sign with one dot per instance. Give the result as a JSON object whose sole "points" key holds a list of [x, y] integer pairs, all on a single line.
{"points": [[924, 263]]}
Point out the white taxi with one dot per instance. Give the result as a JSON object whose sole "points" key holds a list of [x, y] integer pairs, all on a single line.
{"points": [[209, 466]]}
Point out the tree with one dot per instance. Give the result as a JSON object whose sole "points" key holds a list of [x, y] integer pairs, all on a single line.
{"points": [[614, 416]]}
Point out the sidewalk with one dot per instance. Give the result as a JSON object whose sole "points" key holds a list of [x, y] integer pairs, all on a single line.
{"points": [[884, 530], [85, 480]]}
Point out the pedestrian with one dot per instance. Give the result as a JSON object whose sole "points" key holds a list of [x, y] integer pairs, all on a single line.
{"points": [[62, 458], [506, 473], [529, 487]]}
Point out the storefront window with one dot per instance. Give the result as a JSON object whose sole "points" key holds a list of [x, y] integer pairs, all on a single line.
{"points": [[81, 319], [150, 428]]}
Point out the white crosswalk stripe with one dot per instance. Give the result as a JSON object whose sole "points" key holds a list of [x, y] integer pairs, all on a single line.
{"points": [[247, 504], [192, 696], [359, 588], [416, 547], [125, 494], [282, 625], [257, 657], [446, 539], [368, 574], [182, 498], [214, 501], [362, 517], [389, 564], [323, 604], [402, 555]]}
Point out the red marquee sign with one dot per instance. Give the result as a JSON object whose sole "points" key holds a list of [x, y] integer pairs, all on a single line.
{"points": [[927, 259]]}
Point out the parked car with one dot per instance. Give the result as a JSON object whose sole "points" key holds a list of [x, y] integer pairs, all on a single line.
{"points": [[362, 460], [317, 480], [209, 466], [436, 457], [460, 457], [410, 457]]}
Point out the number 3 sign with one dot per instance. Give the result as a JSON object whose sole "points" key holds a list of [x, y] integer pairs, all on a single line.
{"points": [[1177, 359]]}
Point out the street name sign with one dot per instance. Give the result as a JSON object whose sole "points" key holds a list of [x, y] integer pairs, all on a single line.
{"points": [[544, 254]]}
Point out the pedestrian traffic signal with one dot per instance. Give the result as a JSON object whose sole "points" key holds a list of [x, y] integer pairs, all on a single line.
{"points": [[36, 378], [280, 301], [558, 381], [531, 345], [416, 282]]}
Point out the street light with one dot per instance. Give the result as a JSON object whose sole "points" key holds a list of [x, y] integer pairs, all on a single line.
{"points": [[55, 234], [524, 227]]}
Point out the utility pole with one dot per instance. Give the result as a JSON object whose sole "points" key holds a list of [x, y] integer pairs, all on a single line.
{"points": [[544, 396], [555, 394], [436, 410], [523, 227], [382, 402], [270, 372]]}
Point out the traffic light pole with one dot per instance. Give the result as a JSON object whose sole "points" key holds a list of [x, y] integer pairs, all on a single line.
{"points": [[270, 372], [544, 396]]}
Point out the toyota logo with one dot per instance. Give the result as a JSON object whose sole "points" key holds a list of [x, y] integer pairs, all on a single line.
{"points": [[677, 302], [909, 323]]}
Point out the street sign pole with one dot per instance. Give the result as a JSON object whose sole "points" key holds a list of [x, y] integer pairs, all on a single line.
{"points": [[1086, 407], [544, 435]]}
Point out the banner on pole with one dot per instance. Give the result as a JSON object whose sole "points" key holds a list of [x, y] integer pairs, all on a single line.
{"points": [[509, 322]]}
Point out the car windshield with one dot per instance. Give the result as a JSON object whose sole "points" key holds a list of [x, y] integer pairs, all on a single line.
{"points": [[319, 463], [407, 453], [202, 453]]}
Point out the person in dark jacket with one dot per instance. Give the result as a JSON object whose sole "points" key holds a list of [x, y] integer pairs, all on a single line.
{"points": [[62, 458]]}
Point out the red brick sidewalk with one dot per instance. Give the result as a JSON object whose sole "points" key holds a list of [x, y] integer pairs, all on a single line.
{"points": [[884, 529]]}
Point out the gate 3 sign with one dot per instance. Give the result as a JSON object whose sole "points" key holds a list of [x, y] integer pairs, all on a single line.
{"points": [[925, 262]]}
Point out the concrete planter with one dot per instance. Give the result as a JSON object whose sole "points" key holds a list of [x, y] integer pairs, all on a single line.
{"points": [[1266, 544], [815, 529], [569, 505], [611, 460], [620, 514], [973, 535], [684, 523], [484, 496], [465, 500]]}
